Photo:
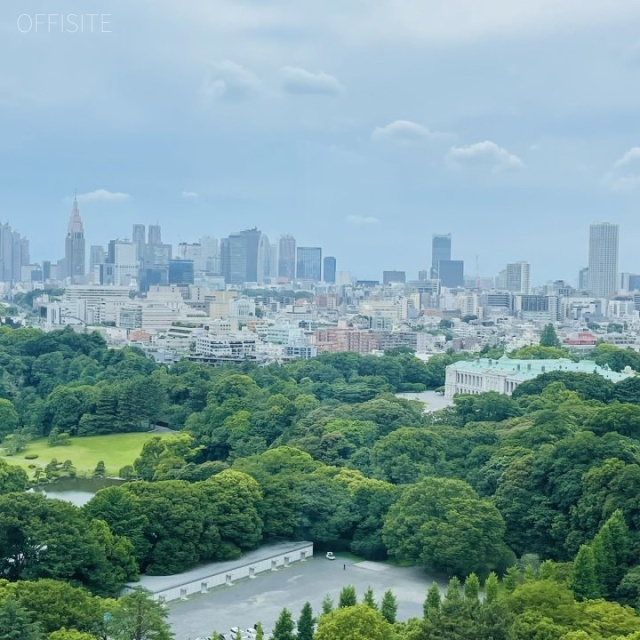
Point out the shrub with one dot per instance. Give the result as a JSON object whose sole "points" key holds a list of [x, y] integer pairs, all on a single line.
{"points": [[30, 456]]}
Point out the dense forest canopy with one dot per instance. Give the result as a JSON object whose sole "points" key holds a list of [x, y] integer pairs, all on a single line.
{"points": [[321, 450]]}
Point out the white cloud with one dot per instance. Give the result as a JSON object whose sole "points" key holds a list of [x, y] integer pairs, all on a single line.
{"points": [[625, 173], [190, 195], [484, 155], [302, 82], [404, 132], [229, 80], [362, 220], [102, 195]]}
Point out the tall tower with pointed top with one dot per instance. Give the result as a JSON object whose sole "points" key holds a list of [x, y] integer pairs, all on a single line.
{"points": [[74, 247]]}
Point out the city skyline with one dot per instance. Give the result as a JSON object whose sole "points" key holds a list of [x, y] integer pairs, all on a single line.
{"points": [[440, 243], [512, 125]]}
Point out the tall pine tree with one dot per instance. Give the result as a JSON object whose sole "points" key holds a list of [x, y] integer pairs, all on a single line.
{"points": [[283, 629], [306, 623], [389, 606], [585, 582]]}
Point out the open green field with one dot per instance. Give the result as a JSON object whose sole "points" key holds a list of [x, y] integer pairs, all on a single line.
{"points": [[115, 450]]}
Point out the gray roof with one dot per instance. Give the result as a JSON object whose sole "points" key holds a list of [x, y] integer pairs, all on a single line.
{"points": [[161, 583]]}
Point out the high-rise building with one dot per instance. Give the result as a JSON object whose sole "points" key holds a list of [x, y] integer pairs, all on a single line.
{"points": [[287, 257], [74, 247], [193, 252], [211, 254], [239, 256], [634, 282], [180, 271], [309, 264], [440, 250], [97, 257], [329, 270], [394, 277], [583, 279], [519, 277], [14, 254], [263, 272], [155, 234], [121, 267], [451, 273], [139, 239], [603, 259]]}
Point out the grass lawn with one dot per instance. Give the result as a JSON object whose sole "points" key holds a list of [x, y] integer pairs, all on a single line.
{"points": [[115, 450]]}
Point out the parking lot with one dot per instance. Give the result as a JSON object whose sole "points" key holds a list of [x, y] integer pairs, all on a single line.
{"points": [[262, 598]]}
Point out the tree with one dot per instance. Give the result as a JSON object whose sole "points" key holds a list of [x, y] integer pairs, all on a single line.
{"points": [[15, 622], [491, 588], [549, 337], [442, 524], [585, 582], [389, 606], [306, 623], [70, 634], [472, 588], [432, 602], [369, 599], [354, 623], [512, 578], [139, 617], [12, 478], [259, 631], [100, 470], [51, 538], [283, 629], [54, 604], [9, 418], [453, 590], [348, 597], [327, 604]]}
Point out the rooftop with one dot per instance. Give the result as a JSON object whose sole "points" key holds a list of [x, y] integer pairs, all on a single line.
{"points": [[527, 369], [160, 583]]}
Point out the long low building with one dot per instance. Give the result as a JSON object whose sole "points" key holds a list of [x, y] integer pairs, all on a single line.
{"points": [[505, 374], [219, 574]]}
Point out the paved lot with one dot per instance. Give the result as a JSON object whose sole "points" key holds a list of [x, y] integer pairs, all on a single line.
{"points": [[433, 401], [262, 598]]}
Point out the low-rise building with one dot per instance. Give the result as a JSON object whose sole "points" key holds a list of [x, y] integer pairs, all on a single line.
{"points": [[505, 374]]}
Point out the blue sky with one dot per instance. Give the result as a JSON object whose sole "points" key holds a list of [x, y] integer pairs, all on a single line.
{"points": [[364, 126]]}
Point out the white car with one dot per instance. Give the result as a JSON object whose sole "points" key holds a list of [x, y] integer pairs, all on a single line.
{"points": [[330, 555]]}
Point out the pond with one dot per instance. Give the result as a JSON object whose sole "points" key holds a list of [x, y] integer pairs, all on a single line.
{"points": [[78, 491]]}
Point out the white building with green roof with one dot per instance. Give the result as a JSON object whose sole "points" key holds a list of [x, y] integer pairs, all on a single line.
{"points": [[505, 374]]}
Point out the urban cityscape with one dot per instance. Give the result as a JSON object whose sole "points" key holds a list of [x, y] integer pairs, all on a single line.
{"points": [[320, 320], [246, 297]]}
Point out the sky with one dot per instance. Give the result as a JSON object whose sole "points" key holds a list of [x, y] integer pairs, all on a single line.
{"points": [[362, 126]]}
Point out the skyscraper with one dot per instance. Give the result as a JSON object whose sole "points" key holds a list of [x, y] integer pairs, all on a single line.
{"points": [[287, 257], [519, 277], [329, 270], [440, 250], [139, 239], [74, 247], [180, 271], [211, 253], [603, 259], [155, 234], [309, 264], [14, 253], [451, 273], [263, 272], [239, 256]]}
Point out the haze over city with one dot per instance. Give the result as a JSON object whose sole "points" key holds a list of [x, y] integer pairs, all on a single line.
{"points": [[357, 128]]}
